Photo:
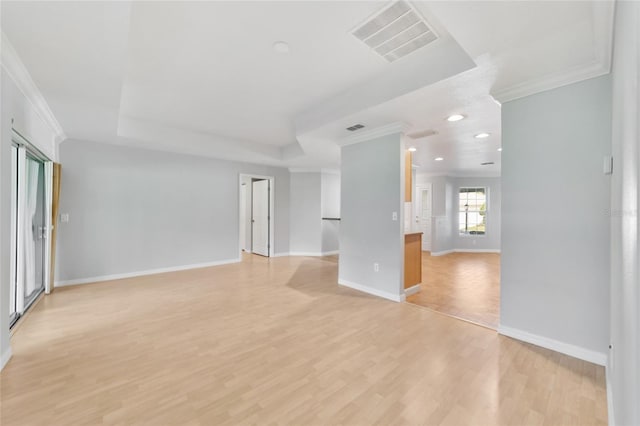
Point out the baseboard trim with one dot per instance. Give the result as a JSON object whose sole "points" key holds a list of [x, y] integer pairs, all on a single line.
{"points": [[594, 357], [281, 254], [6, 356], [441, 253], [412, 290], [141, 273], [372, 291], [612, 417]]}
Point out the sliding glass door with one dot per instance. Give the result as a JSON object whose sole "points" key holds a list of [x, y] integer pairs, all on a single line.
{"points": [[29, 229], [34, 229]]}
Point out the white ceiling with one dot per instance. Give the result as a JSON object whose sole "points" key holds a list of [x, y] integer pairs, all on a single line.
{"points": [[202, 77]]}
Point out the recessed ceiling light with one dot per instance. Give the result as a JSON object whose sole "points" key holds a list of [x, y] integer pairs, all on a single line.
{"points": [[281, 47], [455, 117], [499, 149], [413, 149], [438, 158], [482, 135]]}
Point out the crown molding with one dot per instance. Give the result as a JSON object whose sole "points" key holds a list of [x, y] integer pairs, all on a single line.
{"points": [[14, 67], [550, 82], [377, 132], [603, 13]]}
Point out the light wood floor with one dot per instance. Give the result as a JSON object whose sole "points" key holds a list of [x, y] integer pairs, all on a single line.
{"points": [[277, 341], [464, 285]]}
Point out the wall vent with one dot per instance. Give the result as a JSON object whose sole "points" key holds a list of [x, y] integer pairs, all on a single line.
{"points": [[395, 31], [355, 127]]}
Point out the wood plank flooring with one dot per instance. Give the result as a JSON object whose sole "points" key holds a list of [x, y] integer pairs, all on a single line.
{"points": [[464, 285], [277, 341]]}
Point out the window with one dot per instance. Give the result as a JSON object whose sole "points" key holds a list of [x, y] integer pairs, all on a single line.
{"points": [[472, 211]]}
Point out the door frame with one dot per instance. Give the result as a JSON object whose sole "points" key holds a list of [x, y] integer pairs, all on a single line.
{"points": [[418, 211], [271, 179], [17, 278]]}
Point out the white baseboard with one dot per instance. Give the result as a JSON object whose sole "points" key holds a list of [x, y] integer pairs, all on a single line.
{"points": [[610, 406], [412, 290], [281, 254], [598, 358], [6, 356], [373, 291], [441, 253], [330, 253], [140, 273]]}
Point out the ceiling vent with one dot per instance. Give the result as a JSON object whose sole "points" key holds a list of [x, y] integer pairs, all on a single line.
{"points": [[488, 163], [355, 127], [395, 31]]}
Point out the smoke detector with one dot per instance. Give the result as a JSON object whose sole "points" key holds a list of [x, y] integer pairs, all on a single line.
{"points": [[395, 31]]}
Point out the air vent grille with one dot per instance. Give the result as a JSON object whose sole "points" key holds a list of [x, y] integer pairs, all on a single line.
{"points": [[395, 31], [355, 127], [487, 163]]}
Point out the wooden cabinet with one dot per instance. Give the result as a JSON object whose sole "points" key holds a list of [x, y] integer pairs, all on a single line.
{"points": [[408, 161], [412, 259]]}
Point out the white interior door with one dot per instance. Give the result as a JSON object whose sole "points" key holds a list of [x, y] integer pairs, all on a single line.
{"points": [[423, 216], [260, 217]]}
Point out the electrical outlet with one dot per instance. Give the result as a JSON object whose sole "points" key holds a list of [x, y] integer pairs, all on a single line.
{"points": [[64, 217], [376, 267], [394, 216]]}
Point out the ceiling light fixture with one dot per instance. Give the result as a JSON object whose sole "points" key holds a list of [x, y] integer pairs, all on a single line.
{"points": [[281, 47], [499, 149], [482, 135], [455, 117], [413, 149], [438, 158]]}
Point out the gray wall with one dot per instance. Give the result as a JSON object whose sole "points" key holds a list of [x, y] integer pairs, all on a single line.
{"points": [[371, 189], [133, 210], [330, 208], [306, 211], [624, 368], [555, 229]]}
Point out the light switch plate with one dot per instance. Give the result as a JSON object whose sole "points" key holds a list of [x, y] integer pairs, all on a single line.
{"points": [[607, 165], [64, 217], [394, 216]]}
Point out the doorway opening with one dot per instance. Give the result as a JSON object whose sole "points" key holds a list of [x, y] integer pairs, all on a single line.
{"points": [[459, 219], [256, 215], [31, 180]]}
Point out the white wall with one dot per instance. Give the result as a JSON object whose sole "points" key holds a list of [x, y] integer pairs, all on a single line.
{"points": [[133, 210], [330, 209], [372, 183], [555, 227], [306, 214], [624, 362], [26, 119], [444, 225]]}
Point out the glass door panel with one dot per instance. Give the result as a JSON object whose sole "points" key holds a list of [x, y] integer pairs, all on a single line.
{"points": [[34, 229]]}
